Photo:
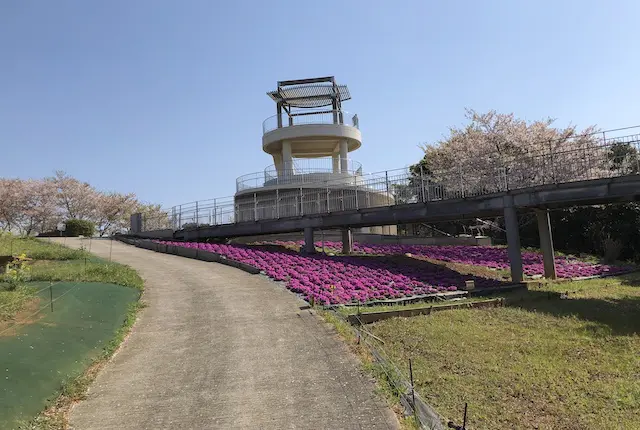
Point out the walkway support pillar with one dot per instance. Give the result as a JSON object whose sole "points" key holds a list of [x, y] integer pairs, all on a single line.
{"points": [[546, 243], [287, 159], [344, 156], [335, 163], [309, 247], [347, 241], [513, 239]]}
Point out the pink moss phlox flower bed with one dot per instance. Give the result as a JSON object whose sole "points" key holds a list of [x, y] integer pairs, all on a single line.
{"points": [[343, 279], [486, 256]]}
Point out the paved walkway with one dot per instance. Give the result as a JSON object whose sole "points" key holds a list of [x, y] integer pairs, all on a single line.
{"points": [[219, 348]]}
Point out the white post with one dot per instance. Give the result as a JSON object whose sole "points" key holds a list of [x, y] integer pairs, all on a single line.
{"points": [[344, 156], [335, 159], [287, 159]]}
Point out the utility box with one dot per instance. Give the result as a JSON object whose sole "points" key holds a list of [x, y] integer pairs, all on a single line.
{"points": [[136, 223]]}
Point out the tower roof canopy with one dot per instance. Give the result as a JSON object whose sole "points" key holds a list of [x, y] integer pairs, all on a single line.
{"points": [[309, 93]]}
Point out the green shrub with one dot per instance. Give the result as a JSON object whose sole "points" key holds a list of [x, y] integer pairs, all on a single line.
{"points": [[79, 227]]}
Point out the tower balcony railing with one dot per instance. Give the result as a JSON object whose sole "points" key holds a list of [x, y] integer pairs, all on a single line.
{"points": [[306, 118], [301, 172]]}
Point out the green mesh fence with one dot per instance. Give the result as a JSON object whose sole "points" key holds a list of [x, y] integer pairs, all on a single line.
{"points": [[48, 347]]}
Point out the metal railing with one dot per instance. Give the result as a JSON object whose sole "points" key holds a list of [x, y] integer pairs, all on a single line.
{"points": [[576, 160], [313, 117], [303, 171]]}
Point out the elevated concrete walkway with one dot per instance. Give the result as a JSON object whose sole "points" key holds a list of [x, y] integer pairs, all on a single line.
{"points": [[381, 239], [592, 192], [540, 198]]}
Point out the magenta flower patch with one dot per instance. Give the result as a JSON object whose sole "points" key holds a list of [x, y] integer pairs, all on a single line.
{"points": [[486, 256], [343, 279]]}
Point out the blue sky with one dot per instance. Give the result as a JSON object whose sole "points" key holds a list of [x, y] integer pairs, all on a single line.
{"points": [[166, 98]]}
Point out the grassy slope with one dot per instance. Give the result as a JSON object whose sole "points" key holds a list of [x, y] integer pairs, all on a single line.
{"points": [[538, 363], [54, 262], [37, 249], [58, 344]]}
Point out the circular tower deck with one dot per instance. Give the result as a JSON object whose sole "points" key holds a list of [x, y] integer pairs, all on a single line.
{"points": [[309, 138]]}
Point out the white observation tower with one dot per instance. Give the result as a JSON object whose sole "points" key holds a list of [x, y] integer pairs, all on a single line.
{"points": [[310, 139]]}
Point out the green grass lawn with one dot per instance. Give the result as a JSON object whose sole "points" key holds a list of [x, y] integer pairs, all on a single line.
{"points": [[93, 270], [54, 262], [12, 302], [536, 363], [37, 357], [45, 355], [38, 249]]}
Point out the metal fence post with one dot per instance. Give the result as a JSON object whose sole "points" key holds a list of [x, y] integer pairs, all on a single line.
{"points": [[553, 164], [355, 188], [215, 215], [428, 192], [277, 204], [422, 184], [342, 200], [327, 190], [197, 215], [461, 181], [301, 202], [180, 217], [255, 207], [386, 181]]}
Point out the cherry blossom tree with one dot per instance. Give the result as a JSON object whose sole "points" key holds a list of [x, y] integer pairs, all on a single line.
{"points": [[153, 216], [76, 199], [113, 211], [495, 152], [11, 203], [39, 206]]}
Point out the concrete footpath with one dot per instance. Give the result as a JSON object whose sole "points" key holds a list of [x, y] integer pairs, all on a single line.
{"points": [[217, 348]]}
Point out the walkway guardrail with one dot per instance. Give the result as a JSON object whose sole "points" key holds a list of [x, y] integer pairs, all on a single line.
{"points": [[314, 117], [303, 171], [598, 158]]}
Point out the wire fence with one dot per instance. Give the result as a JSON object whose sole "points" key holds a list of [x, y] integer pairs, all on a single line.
{"points": [[399, 378], [52, 338], [552, 162], [301, 171]]}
